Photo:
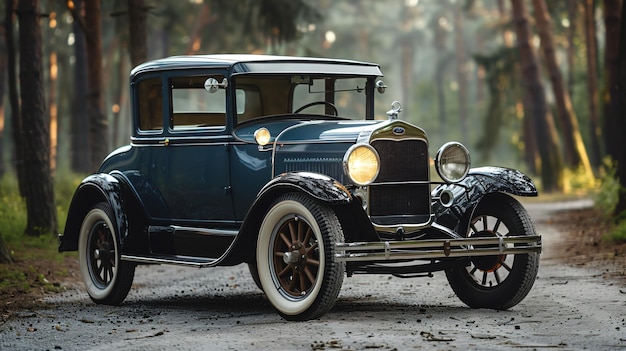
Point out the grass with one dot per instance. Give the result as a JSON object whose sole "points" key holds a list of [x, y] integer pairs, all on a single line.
{"points": [[35, 259], [605, 199]]}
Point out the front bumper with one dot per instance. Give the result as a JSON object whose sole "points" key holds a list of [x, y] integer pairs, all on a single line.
{"points": [[436, 248]]}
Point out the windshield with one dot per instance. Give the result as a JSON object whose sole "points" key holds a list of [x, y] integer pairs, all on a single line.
{"points": [[261, 96]]}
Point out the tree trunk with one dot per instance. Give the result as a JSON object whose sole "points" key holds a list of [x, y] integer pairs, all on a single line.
{"points": [[407, 43], [3, 68], [38, 185], [611, 105], [575, 152], [439, 41], [52, 102], [5, 255], [14, 100], [535, 105], [592, 83], [407, 53], [80, 150], [572, 11], [617, 104], [195, 40], [99, 129], [138, 28], [461, 74]]}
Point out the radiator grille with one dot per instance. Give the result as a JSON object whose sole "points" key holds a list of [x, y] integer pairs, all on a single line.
{"points": [[329, 166], [401, 161]]}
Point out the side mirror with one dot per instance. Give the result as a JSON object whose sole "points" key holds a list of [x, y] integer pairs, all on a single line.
{"points": [[380, 86], [212, 85]]}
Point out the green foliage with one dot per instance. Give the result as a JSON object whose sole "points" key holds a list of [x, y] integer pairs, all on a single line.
{"points": [[500, 77], [578, 182], [12, 279], [19, 276], [618, 233], [12, 209], [605, 199]]}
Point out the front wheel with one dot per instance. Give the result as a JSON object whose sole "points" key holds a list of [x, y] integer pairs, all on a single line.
{"points": [[106, 277], [501, 281], [296, 257]]}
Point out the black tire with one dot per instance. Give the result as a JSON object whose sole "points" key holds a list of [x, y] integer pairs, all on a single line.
{"points": [[106, 277], [296, 257], [497, 282], [254, 273]]}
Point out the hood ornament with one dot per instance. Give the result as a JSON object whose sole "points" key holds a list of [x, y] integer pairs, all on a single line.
{"points": [[396, 108]]}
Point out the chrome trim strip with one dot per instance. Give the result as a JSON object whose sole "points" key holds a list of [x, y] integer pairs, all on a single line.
{"points": [[180, 262], [434, 249], [413, 227], [203, 231]]}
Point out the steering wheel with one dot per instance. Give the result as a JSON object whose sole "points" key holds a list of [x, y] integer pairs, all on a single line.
{"points": [[318, 103]]}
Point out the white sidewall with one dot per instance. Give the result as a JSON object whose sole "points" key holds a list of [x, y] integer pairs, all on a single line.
{"points": [[90, 219], [264, 256]]}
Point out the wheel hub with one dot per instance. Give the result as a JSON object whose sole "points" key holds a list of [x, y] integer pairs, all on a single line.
{"points": [[487, 263]]}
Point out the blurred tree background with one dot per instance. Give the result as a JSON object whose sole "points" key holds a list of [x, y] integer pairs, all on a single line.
{"points": [[528, 84]]}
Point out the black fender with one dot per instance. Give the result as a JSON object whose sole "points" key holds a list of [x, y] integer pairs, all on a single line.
{"points": [[320, 187], [470, 191], [93, 189]]}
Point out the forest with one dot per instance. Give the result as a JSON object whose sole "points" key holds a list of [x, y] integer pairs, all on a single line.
{"points": [[528, 84]]}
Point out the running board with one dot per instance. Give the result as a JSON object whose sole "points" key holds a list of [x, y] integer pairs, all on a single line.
{"points": [[436, 248], [173, 260]]}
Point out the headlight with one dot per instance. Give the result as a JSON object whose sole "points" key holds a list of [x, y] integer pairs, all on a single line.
{"points": [[452, 162], [262, 136], [361, 163]]}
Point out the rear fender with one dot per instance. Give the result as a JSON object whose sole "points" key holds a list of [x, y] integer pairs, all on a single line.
{"points": [[469, 192], [93, 189]]}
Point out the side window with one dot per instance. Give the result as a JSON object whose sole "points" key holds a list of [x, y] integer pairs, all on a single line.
{"points": [[194, 107], [258, 96], [248, 102], [150, 100]]}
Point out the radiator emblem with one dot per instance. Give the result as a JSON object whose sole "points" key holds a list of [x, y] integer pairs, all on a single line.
{"points": [[398, 130]]}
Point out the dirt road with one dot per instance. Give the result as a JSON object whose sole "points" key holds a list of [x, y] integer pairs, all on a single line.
{"points": [[172, 308]]}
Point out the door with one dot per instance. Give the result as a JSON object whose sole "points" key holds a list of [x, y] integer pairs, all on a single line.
{"points": [[185, 164]]}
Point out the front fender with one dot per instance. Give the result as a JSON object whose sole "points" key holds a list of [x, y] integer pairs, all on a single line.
{"points": [[478, 183], [93, 189], [318, 186]]}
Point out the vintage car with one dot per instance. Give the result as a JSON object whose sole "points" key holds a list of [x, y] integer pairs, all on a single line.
{"points": [[281, 164]]}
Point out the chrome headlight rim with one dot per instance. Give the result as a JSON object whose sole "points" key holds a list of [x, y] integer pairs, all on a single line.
{"points": [[351, 175], [442, 156]]}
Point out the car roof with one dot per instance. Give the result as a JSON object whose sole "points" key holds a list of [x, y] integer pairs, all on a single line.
{"points": [[261, 64]]}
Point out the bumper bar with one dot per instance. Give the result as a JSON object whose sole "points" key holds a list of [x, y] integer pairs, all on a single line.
{"points": [[437, 248]]}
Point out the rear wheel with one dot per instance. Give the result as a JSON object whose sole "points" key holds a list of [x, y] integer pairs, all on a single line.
{"points": [[106, 277], [296, 257], [499, 281]]}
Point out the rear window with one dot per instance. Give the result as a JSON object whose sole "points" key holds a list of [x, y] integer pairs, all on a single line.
{"points": [[150, 103]]}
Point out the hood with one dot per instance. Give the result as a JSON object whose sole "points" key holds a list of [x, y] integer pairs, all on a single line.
{"points": [[298, 131]]}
